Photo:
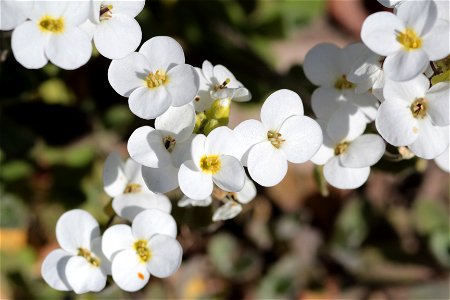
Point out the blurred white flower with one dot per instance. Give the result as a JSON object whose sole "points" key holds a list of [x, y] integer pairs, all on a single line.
{"points": [[125, 184], [283, 134], [409, 39], [79, 264], [146, 248], [155, 78], [53, 34], [415, 115]]}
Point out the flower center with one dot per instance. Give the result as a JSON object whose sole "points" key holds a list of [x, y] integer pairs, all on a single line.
{"points": [[222, 86], [275, 138], [142, 250], [51, 25], [409, 39], [210, 164], [419, 108], [156, 79], [343, 84], [169, 143], [88, 256], [132, 188], [105, 12], [341, 148]]}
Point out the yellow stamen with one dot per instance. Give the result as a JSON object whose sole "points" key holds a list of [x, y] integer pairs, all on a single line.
{"points": [[142, 250], [132, 188], [343, 84], [89, 256], [156, 79], [409, 39], [341, 148], [51, 25], [210, 164], [169, 143], [105, 12], [419, 108], [275, 138]]}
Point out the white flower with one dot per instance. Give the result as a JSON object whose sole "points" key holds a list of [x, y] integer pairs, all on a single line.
{"points": [[162, 150], [284, 134], [154, 78], [124, 182], [52, 34], [14, 12], [409, 39], [329, 67], [443, 160], [346, 153], [416, 116], [115, 31], [227, 211], [147, 247], [217, 82], [79, 264], [213, 161]]}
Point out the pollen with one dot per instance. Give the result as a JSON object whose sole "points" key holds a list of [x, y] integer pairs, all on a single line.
{"points": [[210, 164], [132, 188], [275, 139], [49, 24], [222, 86], [342, 83], [409, 39], [142, 250], [85, 253], [105, 12], [419, 108], [341, 148], [140, 276], [169, 143], [154, 80]]}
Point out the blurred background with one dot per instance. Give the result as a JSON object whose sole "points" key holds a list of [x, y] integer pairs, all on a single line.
{"points": [[299, 240]]}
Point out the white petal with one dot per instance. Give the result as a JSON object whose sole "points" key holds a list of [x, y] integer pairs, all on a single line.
{"points": [[74, 12], [438, 103], [248, 192], [324, 154], [396, 123], [161, 180], [96, 249], [241, 95], [379, 33], [166, 256], [69, 50], [128, 272], [325, 101], [151, 222], [177, 122], [182, 151], [28, 45], [117, 37], [344, 178], [279, 106], [129, 205], [71, 237], [198, 150], [185, 201], [84, 277], [130, 8], [321, 64], [194, 183], [231, 176], [114, 179], [53, 270], [303, 138], [227, 211], [249, 133], [133, 171], [405, 65], [183, 84], [221, 73], [443, 160], [127, 74], [146, 146], [149, 103], [418, 15], [207, 69], [115, 239], [222, 140], [13, 13], [266, 164], [163, 53], [346, 123], [407, 91], [432, 140], [436, 42], [365, 151]]}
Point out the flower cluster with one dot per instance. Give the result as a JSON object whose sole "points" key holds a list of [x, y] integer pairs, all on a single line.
{"points": [[62, 31]]}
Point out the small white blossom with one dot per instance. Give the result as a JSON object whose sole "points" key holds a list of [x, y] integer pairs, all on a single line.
{"points": [[80, 264], [416, 116], [124, 182], [53, 34], [146, 248], [409, 39], [155, 78], [284, 134]]}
